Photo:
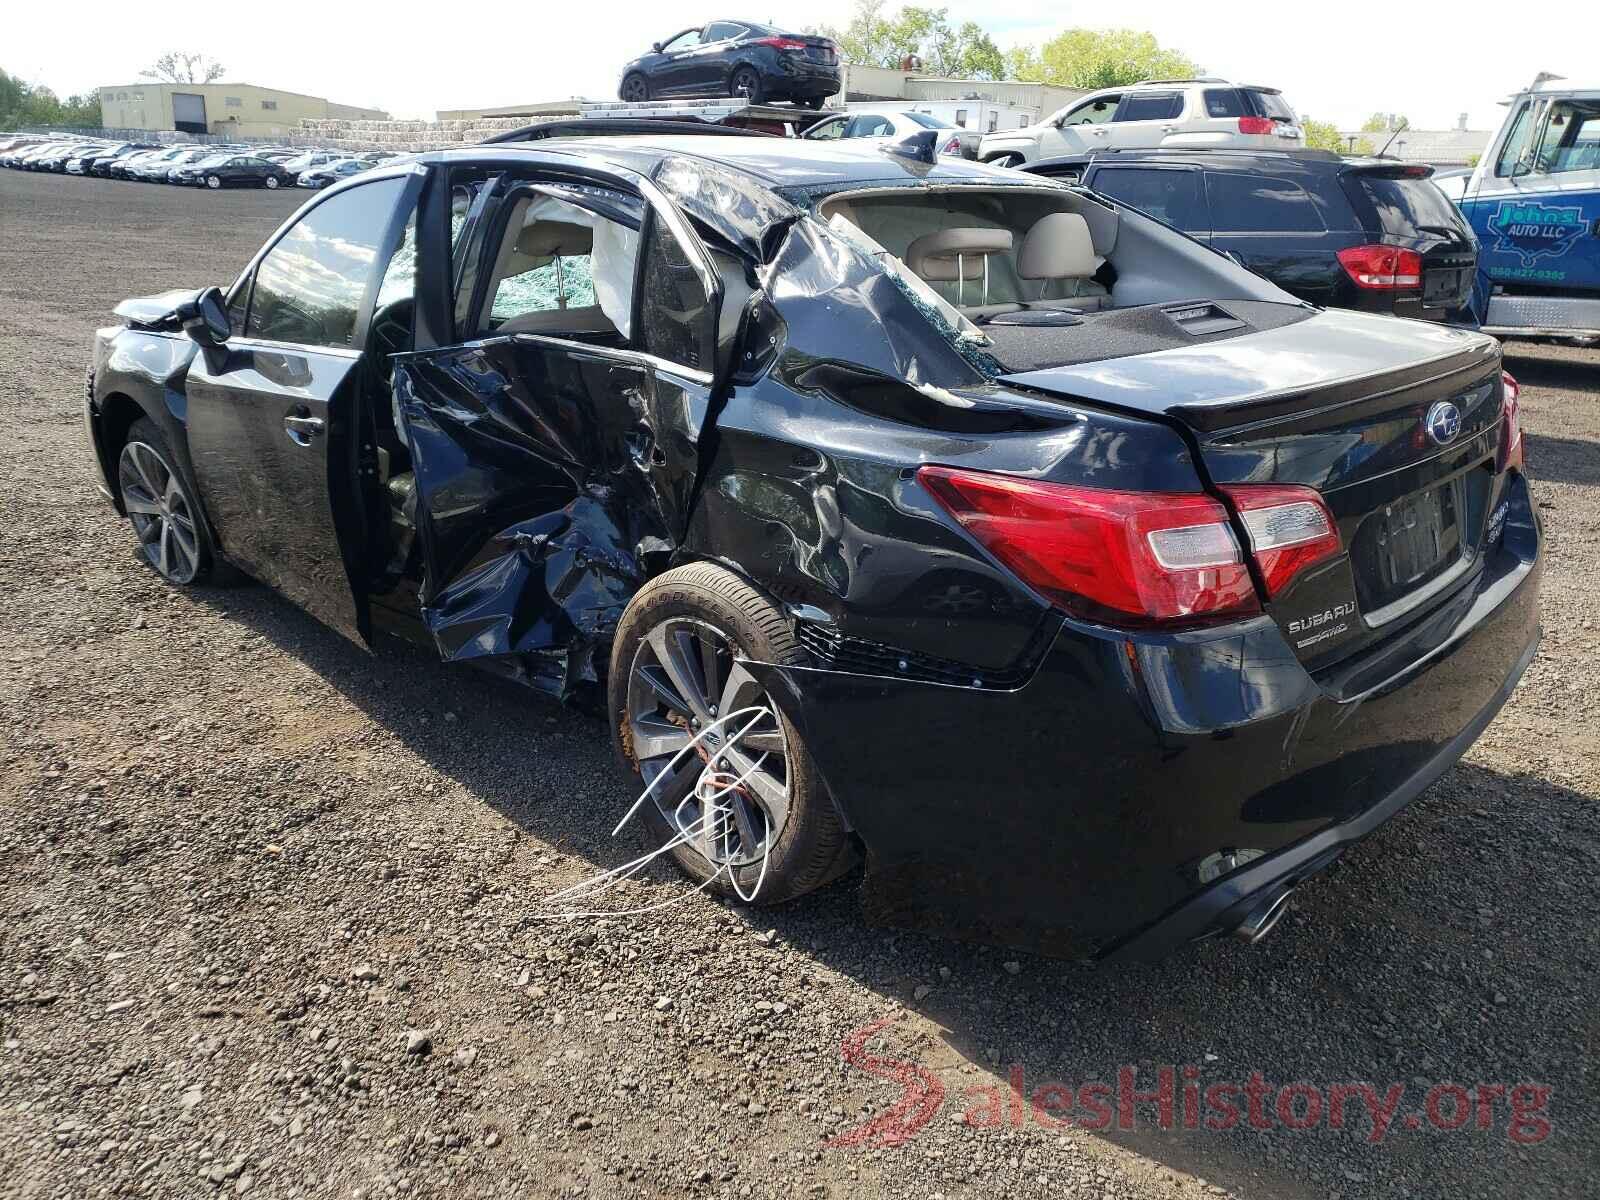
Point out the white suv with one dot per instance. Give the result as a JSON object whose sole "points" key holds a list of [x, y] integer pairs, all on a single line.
{"points": [[1185, 113]]}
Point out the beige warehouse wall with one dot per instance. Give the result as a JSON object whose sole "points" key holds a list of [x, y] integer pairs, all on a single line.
{"points": [[243, 108]]}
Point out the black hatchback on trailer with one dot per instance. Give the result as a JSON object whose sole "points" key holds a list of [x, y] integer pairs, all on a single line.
{"points": [[1093, 588], [1365, 233]]}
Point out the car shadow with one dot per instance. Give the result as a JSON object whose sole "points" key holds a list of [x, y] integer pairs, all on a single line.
{"points": [[1563, 460], [1416, 960]]}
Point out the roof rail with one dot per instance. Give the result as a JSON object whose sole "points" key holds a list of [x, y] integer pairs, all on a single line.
{"points": [[1197, 79], [617, 127], [1191, 151]]}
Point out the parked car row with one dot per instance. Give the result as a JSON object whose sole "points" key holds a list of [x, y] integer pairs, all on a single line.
{"points": [[215, 166]]}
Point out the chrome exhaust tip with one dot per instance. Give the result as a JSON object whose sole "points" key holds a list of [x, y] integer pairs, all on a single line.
{"points": [[1263, 917]]}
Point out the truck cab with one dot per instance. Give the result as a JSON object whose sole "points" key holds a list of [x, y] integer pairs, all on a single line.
{"points": [[1534, 202]]}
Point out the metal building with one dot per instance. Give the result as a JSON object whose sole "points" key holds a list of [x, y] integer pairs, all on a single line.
{"points": [[238, 109]]}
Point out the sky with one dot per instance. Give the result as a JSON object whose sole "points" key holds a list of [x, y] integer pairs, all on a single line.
{"points": [[1428, 60]]}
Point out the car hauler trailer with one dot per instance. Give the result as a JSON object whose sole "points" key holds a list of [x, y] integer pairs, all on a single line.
{"points": [[1534, 202]]}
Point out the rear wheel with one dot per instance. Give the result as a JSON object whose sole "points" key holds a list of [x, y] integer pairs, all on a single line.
{"points": [[171, 535], [213, 182], [679, 663], [272, 181], [636, 89], [747, 83], [815, 102]]}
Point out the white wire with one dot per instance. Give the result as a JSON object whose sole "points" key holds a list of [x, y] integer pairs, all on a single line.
{"points": [[710, 786]]}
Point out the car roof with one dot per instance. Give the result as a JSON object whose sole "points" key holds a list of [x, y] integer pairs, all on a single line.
{"points": [[1309, 160], [773, 162]]}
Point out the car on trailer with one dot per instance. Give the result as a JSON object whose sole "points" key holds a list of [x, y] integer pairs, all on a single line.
{"points": [[1092, 588], [745, 59]]}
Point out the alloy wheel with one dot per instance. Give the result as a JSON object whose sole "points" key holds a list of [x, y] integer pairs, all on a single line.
{"points": [[636, 90], [213, 182], [747, 83], [685, 673], [163, 518], [272, 181]]}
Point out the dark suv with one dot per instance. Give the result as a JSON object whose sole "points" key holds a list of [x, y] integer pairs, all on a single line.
{"points": [[736, 58], [1363, 233]]}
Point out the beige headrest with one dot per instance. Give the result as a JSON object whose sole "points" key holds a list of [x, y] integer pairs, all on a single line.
{"points": [[546, 239], [1058, 247], [934, 256]]}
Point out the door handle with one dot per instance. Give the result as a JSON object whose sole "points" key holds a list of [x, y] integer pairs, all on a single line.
{"points": [[302, 427], [1169, 129]]}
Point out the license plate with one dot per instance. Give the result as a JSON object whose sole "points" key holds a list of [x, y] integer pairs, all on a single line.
{"points": [[1416, 535], [1441, 285]]}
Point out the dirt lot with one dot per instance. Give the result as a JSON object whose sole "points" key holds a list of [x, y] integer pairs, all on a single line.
{"points": [[244, 864]]}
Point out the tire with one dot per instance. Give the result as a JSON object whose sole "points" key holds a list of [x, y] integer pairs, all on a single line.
{"points": [[815, 103], [812, 846], [272, 182], [145, 467], [213, 182], [746, 82], [635, 89]]}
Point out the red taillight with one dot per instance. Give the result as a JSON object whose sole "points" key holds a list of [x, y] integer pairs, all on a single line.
{"points": [[1139, 558], [1255, 125], [781, 43], [1511, 453], [1383, 268], [1290, 528], [953, 146]]}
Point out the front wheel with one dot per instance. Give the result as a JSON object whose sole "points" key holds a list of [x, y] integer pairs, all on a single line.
{"points": [[636, 89], [680, 663], [747, 83], [815, 102], [272, 182], [213, 182], [172, 537]]}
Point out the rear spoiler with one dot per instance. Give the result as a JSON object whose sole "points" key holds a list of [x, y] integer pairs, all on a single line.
{"points": [[1390, 170], [615, 127]]}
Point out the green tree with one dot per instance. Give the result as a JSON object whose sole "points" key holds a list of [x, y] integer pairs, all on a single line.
{"points": [[23, 103], [1384, 123], [875, 40], [1098, 58], [1322, 135], [179, 66]]}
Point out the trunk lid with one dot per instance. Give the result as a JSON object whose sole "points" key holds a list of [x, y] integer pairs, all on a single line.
{"points": [[1396, 424]]}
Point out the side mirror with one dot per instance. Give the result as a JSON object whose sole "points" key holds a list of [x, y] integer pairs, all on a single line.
{"points": [[205, 318], [656, 47]]}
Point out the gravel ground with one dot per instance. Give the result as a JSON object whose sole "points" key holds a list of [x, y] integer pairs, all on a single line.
{"points": [[264, 912]]}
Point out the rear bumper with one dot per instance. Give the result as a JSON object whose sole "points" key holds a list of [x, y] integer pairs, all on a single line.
{"points": [[1543, 316], [1072, 815]]}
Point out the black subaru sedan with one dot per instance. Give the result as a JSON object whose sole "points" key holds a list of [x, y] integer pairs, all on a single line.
{"points": [[1093, 590], [736, 58]]}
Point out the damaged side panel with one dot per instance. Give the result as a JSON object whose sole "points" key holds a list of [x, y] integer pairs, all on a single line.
{"points": [[553, 479]]}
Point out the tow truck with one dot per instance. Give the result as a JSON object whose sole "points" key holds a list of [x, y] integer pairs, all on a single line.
{"points": [[1534, 202]]}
